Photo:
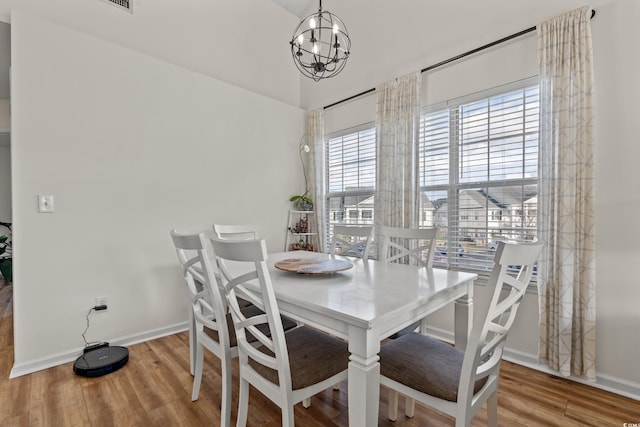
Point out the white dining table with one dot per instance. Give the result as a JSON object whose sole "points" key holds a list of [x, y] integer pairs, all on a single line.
{"points": [[366, 304]]}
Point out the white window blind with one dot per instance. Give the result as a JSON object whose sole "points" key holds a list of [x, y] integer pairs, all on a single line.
{"points": [[478, 163], [351, 177]]}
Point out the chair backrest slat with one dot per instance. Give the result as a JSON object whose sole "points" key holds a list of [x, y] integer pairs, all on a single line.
{"points": [[352, 240], [407, 244], [236, 231], [513, 269]]}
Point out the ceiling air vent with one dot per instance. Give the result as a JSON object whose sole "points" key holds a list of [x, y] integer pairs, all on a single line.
{"points": [[122, 4]]}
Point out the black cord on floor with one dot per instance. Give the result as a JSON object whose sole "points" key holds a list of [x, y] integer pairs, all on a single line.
{"points": [[87, 344]]}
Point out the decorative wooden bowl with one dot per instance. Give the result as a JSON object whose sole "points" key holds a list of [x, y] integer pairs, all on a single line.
{"points": [[313, 265]]}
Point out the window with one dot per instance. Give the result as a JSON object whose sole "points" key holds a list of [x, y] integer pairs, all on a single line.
{"points": [[351, 176], [478, 163]]}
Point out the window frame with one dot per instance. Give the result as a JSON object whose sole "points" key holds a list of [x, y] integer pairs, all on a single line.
{"points": [[449, 190], [454, 186], [331, 215]]}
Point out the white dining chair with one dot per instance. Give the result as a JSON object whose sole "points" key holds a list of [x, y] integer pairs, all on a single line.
{"points": [[225, 231], [184, 257], [212, 324], [451, 380], [236, 231], [285, 368], [408, 246], [352, 240], [209, 314], [241, 232]]}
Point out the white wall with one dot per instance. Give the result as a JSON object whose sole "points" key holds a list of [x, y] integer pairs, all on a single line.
{"points": [[390, 39], [497, 66], [130, 146], [5, 183], [5, 124], [5, 115], [5, 60], [617, 58], [242, 42]]}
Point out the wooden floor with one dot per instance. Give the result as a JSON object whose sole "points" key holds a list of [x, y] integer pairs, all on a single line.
{"points": [[154, 389]]}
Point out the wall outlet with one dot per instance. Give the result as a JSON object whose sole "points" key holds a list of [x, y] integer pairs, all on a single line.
{"points": [[45, 203], [102, 301]]}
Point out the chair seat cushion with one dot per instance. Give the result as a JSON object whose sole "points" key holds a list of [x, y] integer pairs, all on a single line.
{"points": [[405, 331], [424, 364], [249, 310], [313, 357]]}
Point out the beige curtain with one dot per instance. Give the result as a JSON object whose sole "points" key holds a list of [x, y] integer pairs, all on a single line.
{"points": [[397, 119], [316, 172], [566, 218]]}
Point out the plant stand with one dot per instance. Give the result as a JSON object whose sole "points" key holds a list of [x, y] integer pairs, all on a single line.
{"points": [[301, 233]]}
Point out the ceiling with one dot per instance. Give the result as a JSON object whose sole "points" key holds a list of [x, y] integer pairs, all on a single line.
{"points": [[297, 7]]}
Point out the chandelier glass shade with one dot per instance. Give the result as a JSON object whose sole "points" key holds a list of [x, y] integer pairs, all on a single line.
{"points": [[320, 45]]}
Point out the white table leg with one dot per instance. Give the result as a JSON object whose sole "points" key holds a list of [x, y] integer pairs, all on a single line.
{"points": [[463, 318], [364, 378]]}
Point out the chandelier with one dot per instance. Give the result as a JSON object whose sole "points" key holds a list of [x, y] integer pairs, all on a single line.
{"points": [[320, 45]]}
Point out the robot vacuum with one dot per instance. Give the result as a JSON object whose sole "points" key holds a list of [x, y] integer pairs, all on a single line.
{"points": [[100, 360]]}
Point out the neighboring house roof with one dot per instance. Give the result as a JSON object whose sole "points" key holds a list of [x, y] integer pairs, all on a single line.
{"points": [[366, 203], [495, 198], [474, 199], [511, 195], [426, 203]]}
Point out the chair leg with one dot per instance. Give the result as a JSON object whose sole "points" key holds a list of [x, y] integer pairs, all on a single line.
{"points": [[306, 402], [492, 410], [393, 405], [287, 415], [243, 403], [409, 407], [225, 411], [197, 376], [423, 326], [193, 339]]}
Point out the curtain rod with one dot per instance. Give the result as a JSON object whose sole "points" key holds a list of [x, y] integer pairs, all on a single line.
{"points": [[455, 58]]}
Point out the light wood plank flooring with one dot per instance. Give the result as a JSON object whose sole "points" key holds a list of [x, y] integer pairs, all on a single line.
{"points": [[154, 389]]}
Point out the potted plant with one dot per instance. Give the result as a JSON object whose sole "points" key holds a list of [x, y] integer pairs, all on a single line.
{"points": [[303, 201], [6, 264]]}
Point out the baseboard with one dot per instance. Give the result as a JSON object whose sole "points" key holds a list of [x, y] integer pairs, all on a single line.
{"points": [[62, 358], [604, 382]]}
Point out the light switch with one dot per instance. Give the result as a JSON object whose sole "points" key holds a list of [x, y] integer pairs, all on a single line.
{"points": [[45, 204]]}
